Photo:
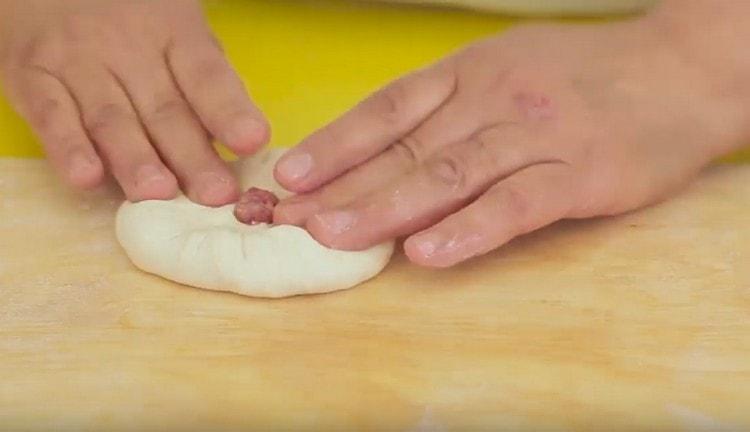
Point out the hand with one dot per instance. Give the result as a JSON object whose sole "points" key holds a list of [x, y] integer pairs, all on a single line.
{"points": [[544, 123], [138, 87]]}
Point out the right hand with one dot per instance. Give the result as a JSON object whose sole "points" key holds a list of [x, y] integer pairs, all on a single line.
{"points": [[139, 87]]}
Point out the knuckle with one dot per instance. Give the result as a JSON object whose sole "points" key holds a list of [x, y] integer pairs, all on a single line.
{"points": [[409, 149], [104, 116], [518, 205], [64, 141], [167, 109], [484, 153], [482, 145], [209, 70], [499, 148], [45, 113], [448, 171], [390, 101], [44, 50], [52, 46]]}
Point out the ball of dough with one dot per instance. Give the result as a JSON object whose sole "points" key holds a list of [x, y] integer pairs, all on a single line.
{"points": [[208, 248]]}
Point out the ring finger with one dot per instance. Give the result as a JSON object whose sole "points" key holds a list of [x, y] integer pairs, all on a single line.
{"points": [[113, 125], [528, 200]]}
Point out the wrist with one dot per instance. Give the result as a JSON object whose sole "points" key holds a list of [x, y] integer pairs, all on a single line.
{"points": [[711, 37]]}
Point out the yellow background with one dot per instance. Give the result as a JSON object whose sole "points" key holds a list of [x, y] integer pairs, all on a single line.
{"points": [[307, 61]]}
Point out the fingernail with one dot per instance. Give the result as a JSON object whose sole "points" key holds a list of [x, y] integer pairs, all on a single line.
{"points": [[428, 244], [149, 174], [337, 222], [295, 166]]}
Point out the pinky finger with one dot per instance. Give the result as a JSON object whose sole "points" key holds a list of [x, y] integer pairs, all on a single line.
{"points": [[53, 115], [526, 201]]}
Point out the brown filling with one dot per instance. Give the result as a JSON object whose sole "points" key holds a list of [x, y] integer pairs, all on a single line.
{"points": [[255, 206]]}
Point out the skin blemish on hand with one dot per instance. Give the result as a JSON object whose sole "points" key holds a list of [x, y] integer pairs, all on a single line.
{"points": [[534, 106]]}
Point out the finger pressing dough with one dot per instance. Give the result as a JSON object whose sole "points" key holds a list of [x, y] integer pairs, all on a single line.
{"points": [[208, 248]]}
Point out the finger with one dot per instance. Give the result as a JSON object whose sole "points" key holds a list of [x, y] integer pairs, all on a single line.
{"points": [[52, 113], [528, 200], [217, 94], [367, 129], [452, 122], [111, 122], [362, 180], [177, 133], [439, 187]]}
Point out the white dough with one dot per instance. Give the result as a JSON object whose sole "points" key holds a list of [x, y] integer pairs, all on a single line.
{"points": [[208, 248]]}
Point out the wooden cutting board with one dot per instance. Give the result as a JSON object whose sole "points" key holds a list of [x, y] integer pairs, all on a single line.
{"points": [[630, 322]]}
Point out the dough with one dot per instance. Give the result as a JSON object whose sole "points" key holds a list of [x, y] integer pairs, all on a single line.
{"points": [[208, 248]]}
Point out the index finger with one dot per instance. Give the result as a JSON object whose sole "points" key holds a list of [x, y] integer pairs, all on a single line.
{"points": [[217, 94], [367, 129]]}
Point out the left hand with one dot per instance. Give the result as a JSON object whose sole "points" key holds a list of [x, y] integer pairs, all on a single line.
{"points": [[544, 123]]}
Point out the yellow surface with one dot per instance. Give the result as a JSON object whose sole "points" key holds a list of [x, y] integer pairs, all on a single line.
{"points": [[635, 323], [307, 61]]}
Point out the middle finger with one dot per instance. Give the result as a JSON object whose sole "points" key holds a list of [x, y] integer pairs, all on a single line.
{"points": [[178, 134], [453, 122]]}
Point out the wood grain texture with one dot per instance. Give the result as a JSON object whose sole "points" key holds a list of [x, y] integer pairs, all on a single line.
{"points": [[635, 322]]}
